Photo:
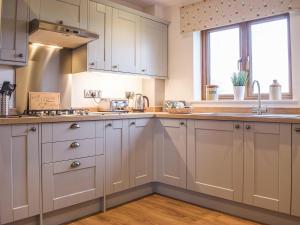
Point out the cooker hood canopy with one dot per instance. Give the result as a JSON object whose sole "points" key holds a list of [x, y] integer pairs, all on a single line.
{"points": [[60, 35]]}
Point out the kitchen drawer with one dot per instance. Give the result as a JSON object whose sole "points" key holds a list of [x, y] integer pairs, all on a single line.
{"points": [[73, 130], [59, 151], [71, 182]]}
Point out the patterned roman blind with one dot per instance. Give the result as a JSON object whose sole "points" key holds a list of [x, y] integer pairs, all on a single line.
{"points": [[209, 14]]}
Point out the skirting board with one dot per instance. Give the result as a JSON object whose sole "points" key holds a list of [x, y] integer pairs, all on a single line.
{"points": [[229, 207], [225, 206]]}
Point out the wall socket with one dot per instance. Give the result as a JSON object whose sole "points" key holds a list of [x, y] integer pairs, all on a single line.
{"points": [[92, 93]]}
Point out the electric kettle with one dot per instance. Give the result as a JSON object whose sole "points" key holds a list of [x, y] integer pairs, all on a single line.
{"points": [[140, 103]]}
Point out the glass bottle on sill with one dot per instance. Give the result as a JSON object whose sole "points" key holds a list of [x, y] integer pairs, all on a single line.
{"points": [[275, 91]]}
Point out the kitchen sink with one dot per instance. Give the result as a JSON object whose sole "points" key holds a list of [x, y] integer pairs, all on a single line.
{"points": [[266, 115]]}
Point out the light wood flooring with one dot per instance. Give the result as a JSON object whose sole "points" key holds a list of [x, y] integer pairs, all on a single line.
{"points": [[159, 210]]}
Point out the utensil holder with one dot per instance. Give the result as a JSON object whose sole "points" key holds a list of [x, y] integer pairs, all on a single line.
{"points": [[4, 105]]}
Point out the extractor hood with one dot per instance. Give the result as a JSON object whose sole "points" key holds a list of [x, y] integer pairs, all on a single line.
{"points": [[48, 33]]}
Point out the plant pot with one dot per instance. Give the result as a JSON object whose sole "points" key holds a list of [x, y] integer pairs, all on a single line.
{"points": [[239, 93]]}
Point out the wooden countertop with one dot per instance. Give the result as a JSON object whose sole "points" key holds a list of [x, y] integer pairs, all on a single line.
{"points": [[267, 118]]}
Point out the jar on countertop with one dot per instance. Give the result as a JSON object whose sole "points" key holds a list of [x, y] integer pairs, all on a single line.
{"points": [[275, 91], [212, 92]]}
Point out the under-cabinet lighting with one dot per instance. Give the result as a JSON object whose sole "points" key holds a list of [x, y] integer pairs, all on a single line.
{"points": [[48, 46]]}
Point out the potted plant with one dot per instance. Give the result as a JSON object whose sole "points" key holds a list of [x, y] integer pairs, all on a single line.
{"points": [[239, 81]]}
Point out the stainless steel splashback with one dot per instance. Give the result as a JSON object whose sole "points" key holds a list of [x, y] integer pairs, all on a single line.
{"points": [[48, 70]]}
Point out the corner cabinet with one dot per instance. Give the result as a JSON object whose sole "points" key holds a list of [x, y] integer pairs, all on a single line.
{"points": [[267, 166], [19, 172], [141, 151], [14, 35], [171, 144], [215, 158], [117, 156], [154, 48]]}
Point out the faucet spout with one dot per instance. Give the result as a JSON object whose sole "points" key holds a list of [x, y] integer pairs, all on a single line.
{"points": [[259, 107]]}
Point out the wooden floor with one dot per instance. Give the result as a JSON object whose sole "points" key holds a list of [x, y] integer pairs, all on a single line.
{"points": [[159, 210]]}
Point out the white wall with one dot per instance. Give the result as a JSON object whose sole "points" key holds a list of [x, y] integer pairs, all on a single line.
{"points": [[182, 78], [111, 85]]}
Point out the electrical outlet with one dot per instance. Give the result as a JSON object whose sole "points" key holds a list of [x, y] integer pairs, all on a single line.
{"points": [[92, 93]]}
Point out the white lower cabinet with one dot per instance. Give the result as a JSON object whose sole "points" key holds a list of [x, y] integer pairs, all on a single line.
{"points": [[117, 156], [170, 143], [296, 171], [267, 166], [215, 158], [71, 182], [19, 172], [141, 151]]}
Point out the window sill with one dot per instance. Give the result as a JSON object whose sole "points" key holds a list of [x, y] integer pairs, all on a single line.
{"points": [[245, 103]]}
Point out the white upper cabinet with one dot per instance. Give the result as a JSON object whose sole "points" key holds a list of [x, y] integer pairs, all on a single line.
{"points": [[125, 42], [20, 172], [154, 48], [97, 18], [68, 12], [215, 158], [14, 35], [170, 143], [267, 166], [295, 171]]}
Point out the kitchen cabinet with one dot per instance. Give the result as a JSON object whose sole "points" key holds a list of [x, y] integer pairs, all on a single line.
{"points": [[296, 170], [171, 146], [68, 12], [117, 155], [215, 158], [141, 151], [267, 166], [14, 35], [98, 51], [20, 172], [154, 48], [125, 42]]}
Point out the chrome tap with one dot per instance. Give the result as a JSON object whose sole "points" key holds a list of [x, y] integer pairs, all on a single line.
{"points": [[259, 110]]}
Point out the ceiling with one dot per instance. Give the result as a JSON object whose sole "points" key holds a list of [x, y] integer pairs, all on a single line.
{"points": [[146, 3]]}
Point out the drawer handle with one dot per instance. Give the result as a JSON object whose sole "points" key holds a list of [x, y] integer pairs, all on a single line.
{"points": [[132, 123], [297, 130], [33, 129], [20, 55], [237, 126], [75, 145], [248, 127], [182, 123], [75, 164], [109, 125], [75, 126]]}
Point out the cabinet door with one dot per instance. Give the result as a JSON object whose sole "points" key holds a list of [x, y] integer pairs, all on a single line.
{"points": [[170, 143], [117, 156], [295, 171], [14, 36], [141, 151], [267, 170], [125, 42], [96, 24], [20, 172], [71, 182], [69, 12], [154, 48], [215, 158]]}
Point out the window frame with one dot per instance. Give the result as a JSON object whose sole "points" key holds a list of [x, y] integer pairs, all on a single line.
{"points": [[245, 61]]}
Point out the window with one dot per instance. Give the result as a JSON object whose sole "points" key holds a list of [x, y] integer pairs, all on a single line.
{"points": [[261, 47]]}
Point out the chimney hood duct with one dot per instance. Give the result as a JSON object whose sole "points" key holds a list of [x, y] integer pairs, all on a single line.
{"points": [[48, 33]]}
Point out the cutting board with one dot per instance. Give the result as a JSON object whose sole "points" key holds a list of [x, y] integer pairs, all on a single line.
{"points": [[44, 100]]}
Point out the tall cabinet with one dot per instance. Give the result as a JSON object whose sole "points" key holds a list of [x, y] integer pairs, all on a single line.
{"points": [[267, 166], [14, 35], [20, 172], [295, 171], [215, 158]]}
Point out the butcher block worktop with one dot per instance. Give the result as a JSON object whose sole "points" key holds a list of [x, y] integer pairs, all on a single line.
{"points": [[267, 118]]}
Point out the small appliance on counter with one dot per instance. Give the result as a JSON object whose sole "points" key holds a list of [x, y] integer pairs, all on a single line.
{"points": [[140, 103], [177, 107], [119, 105], [5, 95]]}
